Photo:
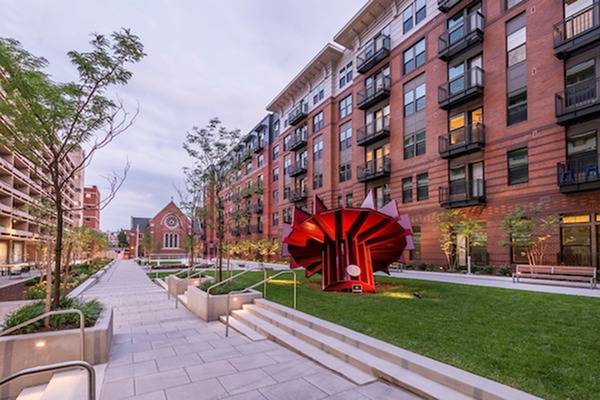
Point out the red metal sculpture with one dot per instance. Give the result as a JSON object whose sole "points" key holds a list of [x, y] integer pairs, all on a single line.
{"points": [[335, 242]]}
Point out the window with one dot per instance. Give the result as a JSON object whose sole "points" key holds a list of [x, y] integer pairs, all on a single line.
{"points": [[286, 142], [407, 190], [414, 144], [319, 92], [275, 218], [346, 75], [318, 122], [422, 187], [515, 45], [249, 167], [349, 200], [275, 152], [171, 241], [420, 11], [260, 160], [276, 128], [275, 174], [512, 3], [346, 136], [317, 180], [286, 192], [287, 161], [275, 196], [339, 201], [407, 19], [287, 215], [346, 106], [414, 100], [382, 195], [414, 57], [576, 240], [318, 149], [518, 166], [345, 172], [517, 106]]}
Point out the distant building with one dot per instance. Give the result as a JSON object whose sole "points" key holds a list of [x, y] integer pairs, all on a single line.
{"points": [[161, 235], [91, 207]]}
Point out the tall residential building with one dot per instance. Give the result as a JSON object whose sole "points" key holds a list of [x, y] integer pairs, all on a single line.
{"points": [[477, 105], [91, 207], [22, 185]]}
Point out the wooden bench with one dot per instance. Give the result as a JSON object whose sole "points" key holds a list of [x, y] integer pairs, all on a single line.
{"points": [[557, 273]]}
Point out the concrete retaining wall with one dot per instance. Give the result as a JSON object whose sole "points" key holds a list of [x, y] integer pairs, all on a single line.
{"points": [[210, 308]]}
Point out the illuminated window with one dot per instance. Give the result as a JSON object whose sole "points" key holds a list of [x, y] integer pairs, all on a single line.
{"points": [[576, 219]]}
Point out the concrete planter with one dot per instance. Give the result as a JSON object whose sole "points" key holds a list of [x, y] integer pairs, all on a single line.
{"points": [[211, 307], [177, 286], [18, 352]]}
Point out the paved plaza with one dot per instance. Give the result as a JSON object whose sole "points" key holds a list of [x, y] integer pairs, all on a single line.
{"points": [[163, 353]]}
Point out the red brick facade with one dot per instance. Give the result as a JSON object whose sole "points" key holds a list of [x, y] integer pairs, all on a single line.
{"points": [[91, 207], [540, 133]]}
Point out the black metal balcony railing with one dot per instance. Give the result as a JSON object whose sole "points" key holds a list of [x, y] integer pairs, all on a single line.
{"points": [[374, 169], [375, 130], [258, 208], [374, 92], [247, 191], [298, 195], [577, 32], [578, 102], [299, 112], [258, 146], [235, 232], [461, 89], [297, 168], [297, 142], [579, 174], [459, 39], [462, 193], [446, 5], [462, 141], [372, 53], [247, 154]]}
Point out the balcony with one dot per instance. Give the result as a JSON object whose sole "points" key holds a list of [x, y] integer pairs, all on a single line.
{"points": [[298, 195], [578, 32], [258, 146], [374, 169], [462, 193], [247, 155], [374, 131], [297, 168], [461, 38], [374, 52], [465, 140], [298, 113], [297, 142], [373, 93], [579, 102], [461, 89], [235, 232], [445, 5], [578, 175], [247, 191], [257, 208]]}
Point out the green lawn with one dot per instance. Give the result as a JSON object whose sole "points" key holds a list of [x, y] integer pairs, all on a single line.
{"points": [[544, 344]]}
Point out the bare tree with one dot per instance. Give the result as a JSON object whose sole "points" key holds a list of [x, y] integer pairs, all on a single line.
{"points": [[211, 148], [191, 197], [59, 127]]}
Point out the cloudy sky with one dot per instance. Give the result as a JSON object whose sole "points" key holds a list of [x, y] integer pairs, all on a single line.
{"points": [[205, 58]]}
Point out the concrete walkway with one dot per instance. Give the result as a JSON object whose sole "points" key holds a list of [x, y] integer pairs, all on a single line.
{"points": [[163, 353], [575, 289]]}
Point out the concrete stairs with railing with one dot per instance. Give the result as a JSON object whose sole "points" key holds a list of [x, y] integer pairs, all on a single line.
{"points": [[67, 385], [363, 359]]}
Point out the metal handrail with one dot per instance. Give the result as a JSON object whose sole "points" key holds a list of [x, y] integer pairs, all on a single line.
{"points": [[56, 367], [236, 276], [56, 312], [264, 282], [198, 271]]}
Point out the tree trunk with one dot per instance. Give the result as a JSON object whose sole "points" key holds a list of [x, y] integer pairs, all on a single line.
{"points": [[58, 247], [48, 298], [67, 266]]}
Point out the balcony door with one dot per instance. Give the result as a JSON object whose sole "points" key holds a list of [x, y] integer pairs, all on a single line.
{"points": [[456, 75], [466, 181], [376, 157], [462, 23], [477, 179], [3, 252], [581, 85], [463, 127], [582, 156]]}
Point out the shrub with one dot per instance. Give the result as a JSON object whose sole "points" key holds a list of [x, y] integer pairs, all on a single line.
{"points": [[91, 311], [505, 270], [223, 289]]}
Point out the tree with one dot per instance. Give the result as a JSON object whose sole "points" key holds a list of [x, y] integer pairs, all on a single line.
{"points": [[528, 231], [149, 244], [122, 241], [210, 148], [454, 224], [191, 198], [49, 122]]}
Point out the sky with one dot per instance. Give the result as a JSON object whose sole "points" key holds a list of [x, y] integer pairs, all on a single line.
{"points": [[218, 58]]}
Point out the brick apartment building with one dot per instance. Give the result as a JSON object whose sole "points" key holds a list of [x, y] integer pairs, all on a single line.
{"points": [[167, 230], [91, 207], [21, 186], [439, 104]]}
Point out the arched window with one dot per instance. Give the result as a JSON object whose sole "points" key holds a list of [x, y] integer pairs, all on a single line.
{"points": [[171, 241]]}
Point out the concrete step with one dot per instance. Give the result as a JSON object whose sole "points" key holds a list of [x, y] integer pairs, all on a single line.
{"points": [[460, 381], [279, 335], [183, 299], [72, 385], [161, 282], [32, 393], [358, 358], [243, 329]]}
